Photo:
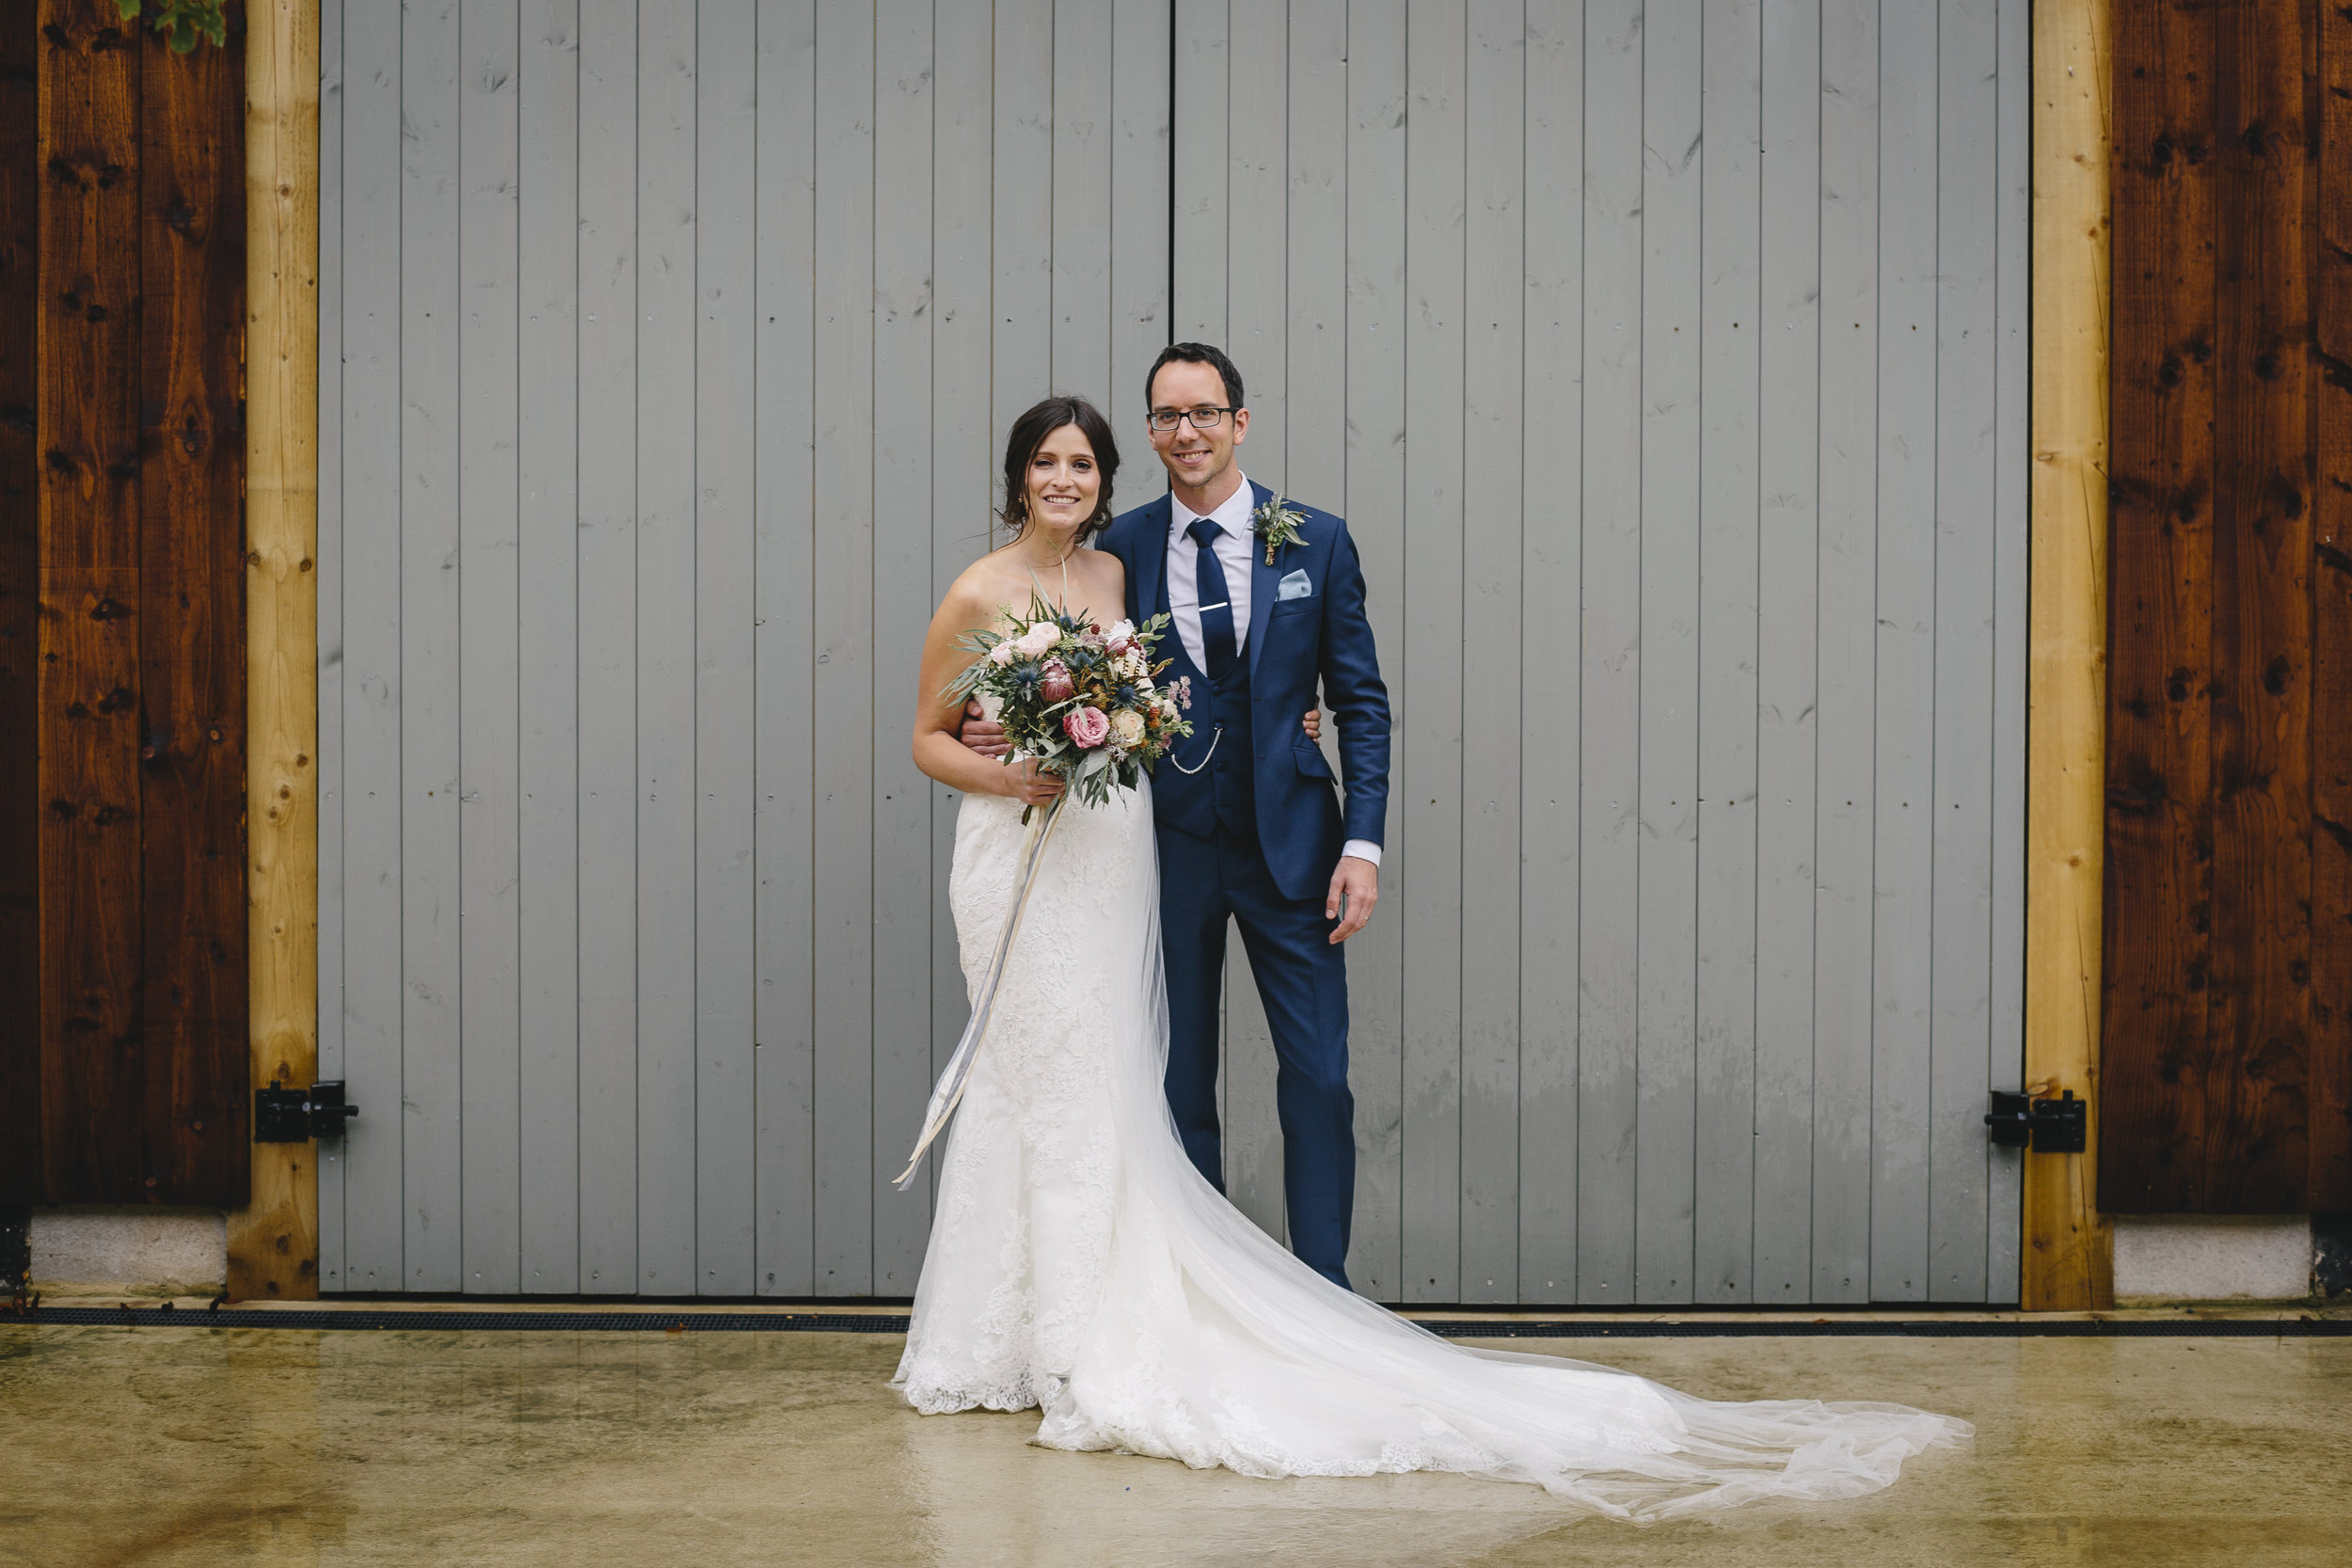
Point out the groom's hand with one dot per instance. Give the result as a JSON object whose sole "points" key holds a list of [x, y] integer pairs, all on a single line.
{"points": [[984, 736], [1355, 889]]}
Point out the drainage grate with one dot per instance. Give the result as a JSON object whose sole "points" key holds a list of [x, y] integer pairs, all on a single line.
{"points": [[431, 1321]]}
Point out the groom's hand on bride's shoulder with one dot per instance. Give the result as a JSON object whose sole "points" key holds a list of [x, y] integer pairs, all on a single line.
{"points": [[984, 736], [1355, 889]]}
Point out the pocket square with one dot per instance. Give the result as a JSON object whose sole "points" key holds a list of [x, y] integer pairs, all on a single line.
{"points": [[1295, 586]]}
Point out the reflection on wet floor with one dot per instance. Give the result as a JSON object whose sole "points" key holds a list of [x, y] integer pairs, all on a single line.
{"points": [[172, 1445]]}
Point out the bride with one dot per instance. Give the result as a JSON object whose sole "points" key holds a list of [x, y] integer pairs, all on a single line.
{"points": [[1080, 1265]]}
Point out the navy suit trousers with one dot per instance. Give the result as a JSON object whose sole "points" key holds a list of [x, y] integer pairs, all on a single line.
{"points": [[1302, 978]]}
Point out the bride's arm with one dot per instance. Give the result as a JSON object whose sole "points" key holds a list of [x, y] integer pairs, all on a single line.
{"points": [[937, 751]]}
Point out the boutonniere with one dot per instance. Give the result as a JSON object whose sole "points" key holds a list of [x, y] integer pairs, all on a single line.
{"points": [[1277, 524]]}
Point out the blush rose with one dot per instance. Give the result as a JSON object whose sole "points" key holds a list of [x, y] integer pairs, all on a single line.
{"points": [[1087, 726]]}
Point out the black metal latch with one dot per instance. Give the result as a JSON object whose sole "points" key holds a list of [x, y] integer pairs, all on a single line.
{"points": [[2059, 1126], [282, 1115]]}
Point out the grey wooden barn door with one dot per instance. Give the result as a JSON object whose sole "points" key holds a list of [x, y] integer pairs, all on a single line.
{"points": [[1669, 363], [667, 350]]}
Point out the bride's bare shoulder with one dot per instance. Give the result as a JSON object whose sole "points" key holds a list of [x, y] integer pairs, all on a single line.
{"points": [[978, 596]]}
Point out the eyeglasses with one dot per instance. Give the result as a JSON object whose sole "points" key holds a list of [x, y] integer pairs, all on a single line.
{"points": [[1203, 419]]}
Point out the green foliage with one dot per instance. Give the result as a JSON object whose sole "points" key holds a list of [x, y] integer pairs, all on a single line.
{"points": [[181, 22]]}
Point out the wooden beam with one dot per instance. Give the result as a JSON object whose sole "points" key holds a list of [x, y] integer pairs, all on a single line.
{"points": [[191, 586], [93, 1073], [19, 598], [2067, 1252], [274, 1241], [2330, 1188]]}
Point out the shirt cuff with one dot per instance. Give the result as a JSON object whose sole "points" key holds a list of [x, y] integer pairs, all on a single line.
{"points": [[1362, 849]]}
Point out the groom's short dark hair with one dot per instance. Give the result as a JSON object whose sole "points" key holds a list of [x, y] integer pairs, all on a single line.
{"points": [[1197, 354]]}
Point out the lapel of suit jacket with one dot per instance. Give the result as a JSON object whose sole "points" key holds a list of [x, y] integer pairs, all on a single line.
{"points": [[1151, 560], [1264, 582]]}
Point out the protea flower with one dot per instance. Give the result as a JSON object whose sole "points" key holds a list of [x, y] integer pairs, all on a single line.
{"points": [[1057, 687]]}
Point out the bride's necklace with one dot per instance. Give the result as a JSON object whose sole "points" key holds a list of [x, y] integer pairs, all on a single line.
{"points": [[1065, 581]]}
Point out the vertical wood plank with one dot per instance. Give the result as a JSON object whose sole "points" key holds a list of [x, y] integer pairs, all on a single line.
{"points": [[1022, 180], [273, 1240], [1667, 890], [1789, 425], [2067, 1261], [2013, 513], [1904, 727], [333, 892], [1552, 468], [2331, 1180], [1314, 342], [668, 162], [19, 602], [1609, 826], [1730, 551], [92, 1058], [726, 989], [1255, 261], [431, 302], [1844, 808], [1140, 197], [1372, 499], [1203, 236], [784, 592], [1493, 653], [192, 653], [1256, 223], [2159, 794], [547, 644], [608, 661], [489, 590], [844, 553], [961, 463], [1083, 132], [1429, 773], [903, 314], [366, 443], [1961, 878], [2259, 1015]]}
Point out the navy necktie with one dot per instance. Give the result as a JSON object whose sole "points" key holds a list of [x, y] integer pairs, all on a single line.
{"points": [[1216, 604]]}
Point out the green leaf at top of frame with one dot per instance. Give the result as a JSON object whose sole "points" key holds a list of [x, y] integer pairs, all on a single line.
{"points": [[180, 22]]}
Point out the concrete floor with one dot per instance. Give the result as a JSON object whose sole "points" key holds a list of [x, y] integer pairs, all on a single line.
{"points": [[276, 1447]]}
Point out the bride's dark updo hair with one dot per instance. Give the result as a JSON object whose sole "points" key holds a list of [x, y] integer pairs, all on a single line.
{"points": [[1029, 432]]}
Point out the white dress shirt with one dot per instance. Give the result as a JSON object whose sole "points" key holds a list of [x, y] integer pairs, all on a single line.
{"points": [[1233, 547]]}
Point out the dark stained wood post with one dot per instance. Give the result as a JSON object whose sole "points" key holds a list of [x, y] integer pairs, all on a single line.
{"points": [[2254, 1106], [93, 1071], [2331, 617], [191, 599], [2228, 1046], [2159, 860], [19, 595], [132, 436]]}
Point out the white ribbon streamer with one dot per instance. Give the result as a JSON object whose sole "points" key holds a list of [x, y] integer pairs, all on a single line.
{"points": [[950, 1088]]}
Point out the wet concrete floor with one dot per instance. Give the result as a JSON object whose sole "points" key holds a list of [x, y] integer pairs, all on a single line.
{"points": [[186, 1446]]}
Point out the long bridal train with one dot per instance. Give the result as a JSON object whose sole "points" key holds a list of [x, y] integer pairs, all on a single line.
{"points": [[1081, 1265]]}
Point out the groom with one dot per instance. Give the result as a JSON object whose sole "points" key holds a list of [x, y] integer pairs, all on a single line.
{"points": [[1249, 823]]}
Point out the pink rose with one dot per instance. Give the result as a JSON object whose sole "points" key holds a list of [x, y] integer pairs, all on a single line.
{"points": [[1057, 687], [1086, 725]]}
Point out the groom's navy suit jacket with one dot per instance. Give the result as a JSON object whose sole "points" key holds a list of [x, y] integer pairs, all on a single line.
{"points": [[1293, 645]]}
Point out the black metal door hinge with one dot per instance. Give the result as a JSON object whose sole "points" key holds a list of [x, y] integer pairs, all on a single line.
{"points": [[2060, 1125], [283, 1116]]}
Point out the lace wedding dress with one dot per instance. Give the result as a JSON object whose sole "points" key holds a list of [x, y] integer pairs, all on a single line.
{"points": [[1080, 1265]]}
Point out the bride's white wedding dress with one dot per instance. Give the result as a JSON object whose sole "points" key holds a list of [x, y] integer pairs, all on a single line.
{"points": [[1080, 1265]]}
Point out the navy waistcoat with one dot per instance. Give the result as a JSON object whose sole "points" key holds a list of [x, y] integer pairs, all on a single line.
{"points": [[1224, 788]]}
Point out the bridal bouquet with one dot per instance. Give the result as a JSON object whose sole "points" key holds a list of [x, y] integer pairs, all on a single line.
{"points": [[1078, 698], [1081, 701]]}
